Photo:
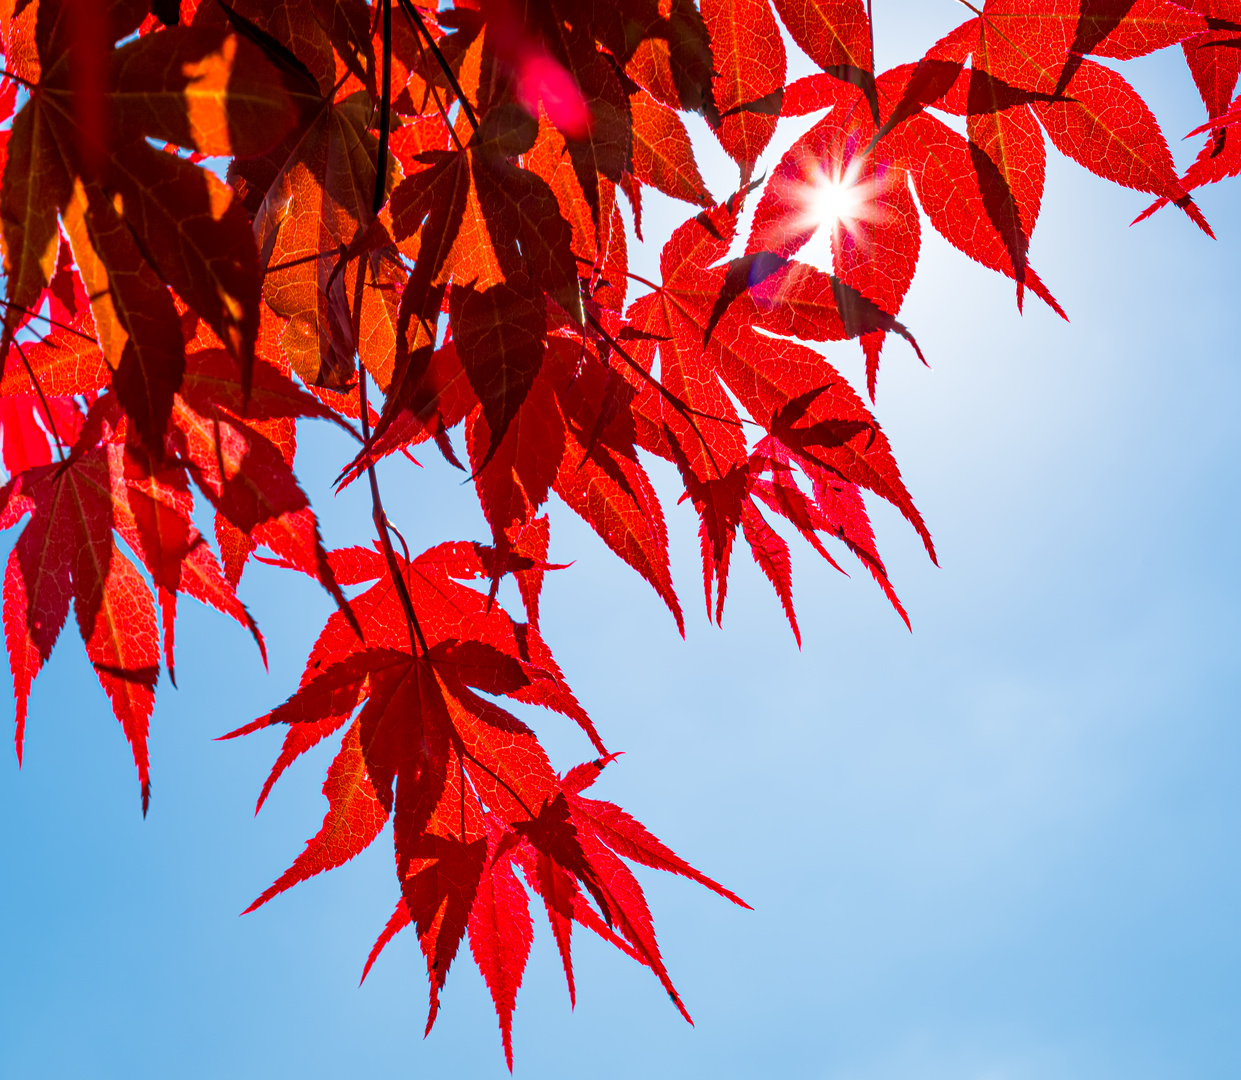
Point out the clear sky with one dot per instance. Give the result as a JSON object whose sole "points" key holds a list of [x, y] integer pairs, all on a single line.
{"points": [[1001, 848]]}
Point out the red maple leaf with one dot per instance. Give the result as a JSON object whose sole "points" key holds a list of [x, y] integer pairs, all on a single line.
{"points": [[419, 236]]}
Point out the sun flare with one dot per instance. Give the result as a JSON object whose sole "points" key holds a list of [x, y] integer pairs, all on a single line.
{"points": [[836, 199], [839, 204]]}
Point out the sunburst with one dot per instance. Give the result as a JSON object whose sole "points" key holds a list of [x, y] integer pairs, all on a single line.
{"points": [[836, 198]]}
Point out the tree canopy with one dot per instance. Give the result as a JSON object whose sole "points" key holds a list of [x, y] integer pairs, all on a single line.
{"points": [[413, 222]]}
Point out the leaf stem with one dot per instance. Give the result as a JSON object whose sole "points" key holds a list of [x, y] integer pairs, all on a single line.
{"points": [[50, 321], [463, 752], [385, 110], [416, 639], [668, 395], [645, 281], [415, 18], [434, 92], [47, 411], [632, 276], [17, 79], [870, 22], [397, 533], [685, 410], [302, 260]]}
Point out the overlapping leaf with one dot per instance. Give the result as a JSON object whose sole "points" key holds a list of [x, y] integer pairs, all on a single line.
{"points": [[420, 238]]}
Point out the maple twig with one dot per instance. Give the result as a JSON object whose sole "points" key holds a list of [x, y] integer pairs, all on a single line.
{"points": [[385, 110], [463, 752], [668, 395], [397, 533], [47, 411], [687, 411], [435, 94], [17, 79], [50, 321], [301, 260], [870, 22], [415, 17], [416, 639], [632, 276]]}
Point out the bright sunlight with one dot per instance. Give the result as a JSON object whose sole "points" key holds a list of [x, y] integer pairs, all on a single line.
{"points": [[837, 198]]}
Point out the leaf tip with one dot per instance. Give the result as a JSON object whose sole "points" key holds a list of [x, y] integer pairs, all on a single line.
{"points": [[256, 904]]}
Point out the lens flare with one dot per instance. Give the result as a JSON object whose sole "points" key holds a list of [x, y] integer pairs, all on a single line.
{"points": [[837, 199], [838, 202]]}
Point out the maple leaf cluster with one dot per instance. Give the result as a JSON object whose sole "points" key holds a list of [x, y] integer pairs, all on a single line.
{"points": [[221, 217]]}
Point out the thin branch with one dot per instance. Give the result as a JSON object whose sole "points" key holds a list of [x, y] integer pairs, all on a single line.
{"points": [[51, 322], [385, 110], [870, 21], [39, 390], [463, 752], [685, 410], [416, 639], [18, 79], [415, 18], [434, 92]]}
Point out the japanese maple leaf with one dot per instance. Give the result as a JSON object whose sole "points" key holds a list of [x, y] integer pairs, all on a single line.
{"points": [[313, 195], [138, 220], [600, 250], [749, 81], [1102, 122], [835, 509], [65, 359], [66, 554], [767, 376], [1038, 44], [586, 839], [602, 480], [836, 35], [829, 421], [501, 931], [567, 851], [663, 155], [26, 422], [694, 407], [447, 610], [153, 507], [421, 232], [838, 179], [1214, 59]]}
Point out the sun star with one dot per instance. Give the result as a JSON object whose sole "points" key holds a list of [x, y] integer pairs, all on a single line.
{"points": [[834, 198]]}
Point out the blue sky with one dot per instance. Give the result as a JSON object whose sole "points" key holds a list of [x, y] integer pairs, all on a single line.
{"points": [[1000, 848]]}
